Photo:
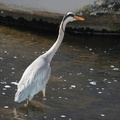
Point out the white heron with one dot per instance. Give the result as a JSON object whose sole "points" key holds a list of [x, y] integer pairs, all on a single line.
{"points": [[37, 74]]}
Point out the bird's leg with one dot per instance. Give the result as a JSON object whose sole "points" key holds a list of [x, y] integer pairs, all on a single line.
{"points": [[43, 91], [44, 98], [28, 102]]}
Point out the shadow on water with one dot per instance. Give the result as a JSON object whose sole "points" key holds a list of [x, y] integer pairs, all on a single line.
{"points": [[85, 79]]}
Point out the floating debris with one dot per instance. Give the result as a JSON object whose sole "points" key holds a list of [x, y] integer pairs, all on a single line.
{"points": [[4, 89], [64, 88], [93, 83], [45, 117], [115, 80], [2, 12], [60, 77], [1, 58], [89, 80], [53, 88], [35, 53], [15, 57], [97, 88], [81, 88], [52, 97], [115, 69], [109, 82], [91, 69], [70, 73], [13, 72], [88, 86], [90, 49], [99, 92], [6, 107], [93, 53], [6, 52], [7, 86], [79, 73], [102, 115], [102, 88], [112, 66], [105, 51], [73, 86], [105, 80], [3, 82], [66, 98], [63, 116]]}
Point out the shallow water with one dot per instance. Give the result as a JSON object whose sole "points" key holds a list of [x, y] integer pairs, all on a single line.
{"points": [[85, 79]]}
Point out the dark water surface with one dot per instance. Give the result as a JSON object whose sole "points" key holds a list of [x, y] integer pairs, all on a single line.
{"points": [[85, 79]]}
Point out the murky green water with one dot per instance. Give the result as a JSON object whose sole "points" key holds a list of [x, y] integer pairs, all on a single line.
{"points": [[85, 79]]}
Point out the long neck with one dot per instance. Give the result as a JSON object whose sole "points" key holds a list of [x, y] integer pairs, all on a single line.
{"points": [[51, 52]]}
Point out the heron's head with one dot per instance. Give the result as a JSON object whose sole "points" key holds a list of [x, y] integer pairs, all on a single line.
{"points": [[69, 17]]}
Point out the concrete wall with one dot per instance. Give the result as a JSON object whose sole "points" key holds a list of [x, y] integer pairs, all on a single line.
{"points": [[99, 15]]}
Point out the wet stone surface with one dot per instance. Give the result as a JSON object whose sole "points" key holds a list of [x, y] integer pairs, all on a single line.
{"points": [[85, 79]]}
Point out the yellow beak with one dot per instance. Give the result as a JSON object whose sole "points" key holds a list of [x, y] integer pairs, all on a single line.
{"points": [[79, 18]]}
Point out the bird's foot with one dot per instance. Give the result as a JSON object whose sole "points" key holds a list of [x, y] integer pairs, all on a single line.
{"points": [[27, 104], [44, 98]]}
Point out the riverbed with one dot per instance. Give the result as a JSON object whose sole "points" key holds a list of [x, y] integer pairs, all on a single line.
{"points": [[84, 83]]}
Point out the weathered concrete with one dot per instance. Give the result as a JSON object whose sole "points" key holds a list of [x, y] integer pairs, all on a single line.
{"points": [[99, 23]]}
